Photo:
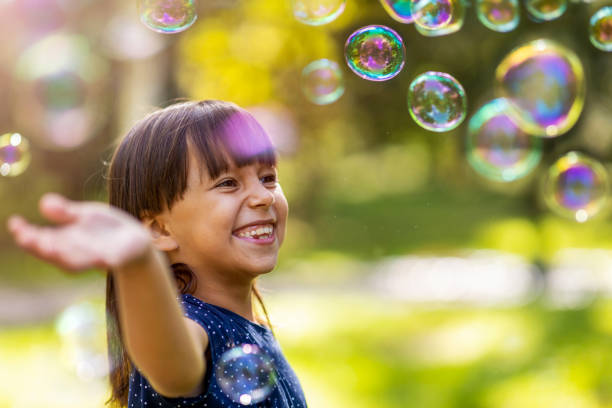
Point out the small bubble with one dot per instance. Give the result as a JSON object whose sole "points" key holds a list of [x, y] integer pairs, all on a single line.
{"points": [[399, 10], [14, 154], [168, 16], [499, 15], [601, 29], [317, 12], [545, 10], [322, 82]]}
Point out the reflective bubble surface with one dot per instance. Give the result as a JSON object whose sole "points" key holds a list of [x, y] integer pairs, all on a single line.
{"points": [[496, 147], [322, 82], [82, 330], [600, 29], [457, 18], [432, 14], [545, 82], [437, 101], [545, 10], [577, 186], [246, 374], [14, 154], [375, 53], [168, 16], [399, 10], [499, 15], [317, 12]]}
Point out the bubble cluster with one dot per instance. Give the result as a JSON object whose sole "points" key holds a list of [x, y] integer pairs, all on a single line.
{"points": [[545, 10], [60, 83], [499, 15], [399, 10], [497, 147], [577, 186], [375, 53], [322, 82], [545, 83], [317, 12], [432, 14], [246, 374], [81, 328], [600, 29], [437, 101], [14, 154], [168, 16], [454, 24]]}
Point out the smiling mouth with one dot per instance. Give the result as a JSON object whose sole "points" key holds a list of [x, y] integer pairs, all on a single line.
{"points": [[258, 233]]}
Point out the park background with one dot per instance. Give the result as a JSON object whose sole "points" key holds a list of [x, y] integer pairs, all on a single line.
{"points": [[406, 279]]}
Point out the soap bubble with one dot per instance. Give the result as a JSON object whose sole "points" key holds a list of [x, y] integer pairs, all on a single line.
{"points": [[375, 53], [545, 10], [317, 12], [497, 147], [246, 374], [457, 18], [61, 84], [437, 101], [322, 82], [577, 186], [432, 14], [545, 82], [82, 331], [499, 15], [14, 154], [601, 29], [399, 10], [168, 16]]}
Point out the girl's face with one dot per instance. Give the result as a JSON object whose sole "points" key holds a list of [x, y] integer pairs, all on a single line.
{"points": [[233, 225]]}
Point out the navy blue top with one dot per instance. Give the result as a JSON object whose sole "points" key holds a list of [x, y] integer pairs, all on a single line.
{"points": [[225, 330]]}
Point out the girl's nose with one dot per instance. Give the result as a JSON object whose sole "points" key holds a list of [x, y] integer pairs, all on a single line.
{"points": [[261, 196]]}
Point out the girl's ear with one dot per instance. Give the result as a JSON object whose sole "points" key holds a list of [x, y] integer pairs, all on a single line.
{"points": [[162, 238]]}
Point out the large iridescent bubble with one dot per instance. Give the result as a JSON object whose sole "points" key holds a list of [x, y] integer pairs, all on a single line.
{"points": [[545, 10], [499, 15], [454, 24], [577, 187], [317, 12], [437, 101], [168, 16], [545, 83], [399, 10], [246, 374], [322, 82], [375, 53], [60, 86], [600, 29], [497, 147], [14, 154]]}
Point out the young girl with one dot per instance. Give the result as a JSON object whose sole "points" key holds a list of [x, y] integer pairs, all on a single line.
{"points": [[194, 191]]}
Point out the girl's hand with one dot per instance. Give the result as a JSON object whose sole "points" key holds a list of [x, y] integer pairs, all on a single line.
{"points": [[89, 235]]}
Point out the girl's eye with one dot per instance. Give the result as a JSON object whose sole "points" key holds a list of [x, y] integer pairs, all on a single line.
{"points": [[227, 183], [269, 179]]}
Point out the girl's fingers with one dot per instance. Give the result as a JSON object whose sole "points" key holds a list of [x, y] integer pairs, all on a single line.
{"points": [[57, 208]]}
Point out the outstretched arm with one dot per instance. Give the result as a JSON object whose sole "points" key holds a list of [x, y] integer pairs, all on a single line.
{"points": [[165, 346]]}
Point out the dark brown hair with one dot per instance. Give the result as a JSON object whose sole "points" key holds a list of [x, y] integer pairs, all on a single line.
{"points": [[148, 174]]}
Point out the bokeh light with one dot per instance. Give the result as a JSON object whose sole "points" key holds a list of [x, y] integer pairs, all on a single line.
{"points": [[126, 39], [499, 15], [246, 374], [432, 14], [59, 89], [496, 147], [81, 328], [545, 10], [545, 82], [577, 186], [399, 10], [375, 53], [168, 16], [322, 82], [454, 24], [15, 154], [317, 12], [600, 29], [437, 101]]}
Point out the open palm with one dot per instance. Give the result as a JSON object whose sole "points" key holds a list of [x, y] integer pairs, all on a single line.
{"points": [[88, 235]]}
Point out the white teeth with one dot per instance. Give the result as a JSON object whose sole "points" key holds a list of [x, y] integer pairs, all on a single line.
{"points": [[267, 230]]}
